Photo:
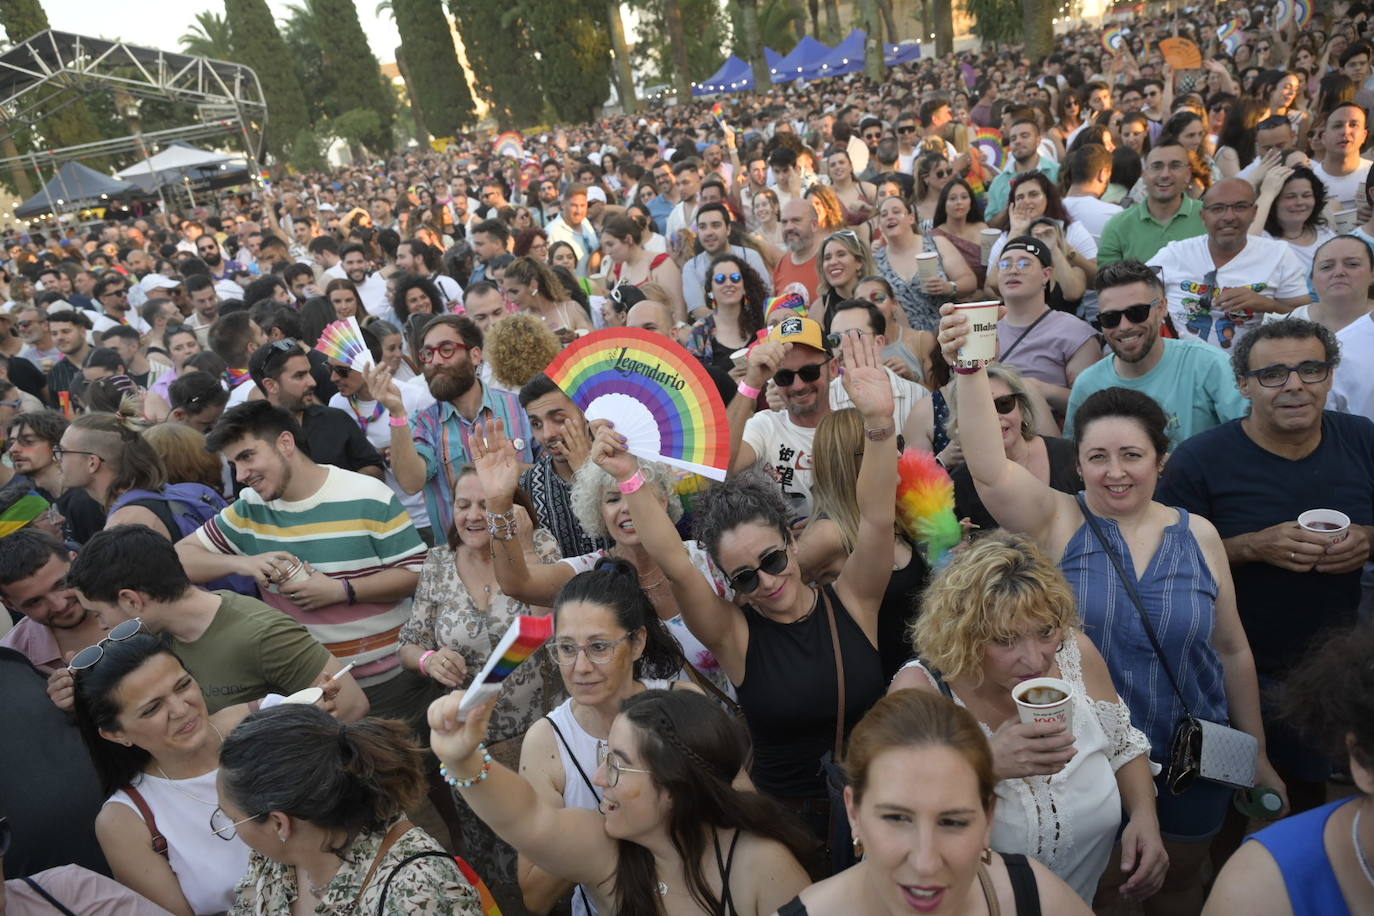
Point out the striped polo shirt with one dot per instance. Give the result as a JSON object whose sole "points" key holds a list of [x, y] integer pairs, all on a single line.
{"points": [[352, 526]]}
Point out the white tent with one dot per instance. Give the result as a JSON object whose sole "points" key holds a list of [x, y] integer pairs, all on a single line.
{"points": [[173, 165]]}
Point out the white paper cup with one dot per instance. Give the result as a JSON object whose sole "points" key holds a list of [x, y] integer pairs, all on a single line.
{"points": [[1060, 712], [927, 265], [1344, 220], [307, 697], [980, 347], [1329, 523], [986, 239]]}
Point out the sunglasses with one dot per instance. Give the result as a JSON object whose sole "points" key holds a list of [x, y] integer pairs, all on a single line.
{"points": [[733, 278], [1133, 313], [340, 371], [746, 581], [784, 378], [1006, 403], [446, 350], [907, 129], [89, 656]]}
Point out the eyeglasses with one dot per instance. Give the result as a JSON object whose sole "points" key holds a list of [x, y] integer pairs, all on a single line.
{"points": [[906, 129], [1309, 372], [733, 277], [446, 350], [1218, 209], [604, 758], [599, 651], [340, 371], [15, 404], [1019, 263], [58, 452], [225, 829], [89, 656], [1006, 403], [784, 378], [746, 581], [1135, 314]]}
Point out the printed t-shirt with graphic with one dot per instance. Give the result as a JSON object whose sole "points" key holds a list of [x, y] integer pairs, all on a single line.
{"points": [[1266, 266], [352, 526]]}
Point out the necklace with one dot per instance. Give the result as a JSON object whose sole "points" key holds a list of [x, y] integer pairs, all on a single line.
{"points": [[191, 795], [1359, 852]]}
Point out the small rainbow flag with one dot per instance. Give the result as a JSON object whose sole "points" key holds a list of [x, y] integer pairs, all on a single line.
{"points": [[343, 340], [522, 639], [1114, 39], [489, 905]]}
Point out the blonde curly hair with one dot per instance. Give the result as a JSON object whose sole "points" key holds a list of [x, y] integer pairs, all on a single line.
{"points": [[590, 485], [519, 347], [995, 588]]}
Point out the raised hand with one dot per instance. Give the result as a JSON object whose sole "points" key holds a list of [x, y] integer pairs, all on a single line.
{"points": [[497, 464], [865, 379], [609, 454], [454, 739], [384, 389]]}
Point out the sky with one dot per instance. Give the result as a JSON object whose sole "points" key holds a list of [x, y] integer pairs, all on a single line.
{"points": [[129, 21]]}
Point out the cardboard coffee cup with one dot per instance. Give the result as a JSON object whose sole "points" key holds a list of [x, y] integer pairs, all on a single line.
{"points": [[1059, 706], [927, 265], [295, 571], [306, 697], [986, 239], [1329, 523], [980, 347], [1344, 220]]}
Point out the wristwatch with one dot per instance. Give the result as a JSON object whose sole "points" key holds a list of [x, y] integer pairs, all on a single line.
{"points": [[954, 287]]}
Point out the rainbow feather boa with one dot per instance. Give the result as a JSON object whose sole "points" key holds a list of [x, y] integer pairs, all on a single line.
{"points": [[925, 505]]}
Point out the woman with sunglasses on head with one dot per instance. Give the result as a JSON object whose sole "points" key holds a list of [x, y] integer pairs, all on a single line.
{"points": [[842, 260], [608, 645], [926, 841], [783, 644], [737, 296], [1178, 567], [933, 173], [899, 261], [156, 749], [676, 836], [322, 805]]}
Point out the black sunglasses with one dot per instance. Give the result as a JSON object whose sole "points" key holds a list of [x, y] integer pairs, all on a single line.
{"points": [[746, 581], [732, 277], [1006, 403], [784, 378], [340, 371], [1134, 313]]}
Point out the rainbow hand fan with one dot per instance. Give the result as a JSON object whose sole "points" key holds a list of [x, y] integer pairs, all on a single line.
{"points": [[988, 142], [522, 639], [925, 504], [1281, 13], [343, 340], [510, 144], [1114, 39], [1302, 13], [658, 395]]}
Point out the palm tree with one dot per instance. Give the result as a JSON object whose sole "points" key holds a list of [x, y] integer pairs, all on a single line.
{"points": [[209, 37]]}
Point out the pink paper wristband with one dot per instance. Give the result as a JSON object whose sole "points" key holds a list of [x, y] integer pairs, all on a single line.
{"points": [[749, 391], [424, 657], [634, 483]]}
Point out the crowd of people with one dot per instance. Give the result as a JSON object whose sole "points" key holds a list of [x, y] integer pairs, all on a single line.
{"points": [[248, 582]]}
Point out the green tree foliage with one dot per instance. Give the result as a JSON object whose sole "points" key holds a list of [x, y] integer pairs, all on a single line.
{"points": [[706, 38], [997, 21], [352, 68], [440, 90], [258, 44], [301, 32], [501, 57], [574, 53], [71, 123], [209, 37]]}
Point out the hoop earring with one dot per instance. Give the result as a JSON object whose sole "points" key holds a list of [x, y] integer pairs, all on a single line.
{"points": [[858, 845], [987, 855]]}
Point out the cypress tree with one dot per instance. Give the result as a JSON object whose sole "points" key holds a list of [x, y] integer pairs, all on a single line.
{"points": [[258, 44], [575, 54], [502, 60], [441, 98], [353, 70]]}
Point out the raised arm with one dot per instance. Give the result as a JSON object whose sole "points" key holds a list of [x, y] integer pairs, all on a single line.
{"points": [[1269, 190], [408, 465], [1014, 496], [864, 578], [764, 361], [712, 619]]}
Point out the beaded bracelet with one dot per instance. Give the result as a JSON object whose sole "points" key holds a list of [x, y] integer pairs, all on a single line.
{"points": [[461, 783], [502, 526]]}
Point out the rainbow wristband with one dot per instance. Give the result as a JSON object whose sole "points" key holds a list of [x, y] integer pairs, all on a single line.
{"points": [[634, 483], [748, 390], [424, 658]]}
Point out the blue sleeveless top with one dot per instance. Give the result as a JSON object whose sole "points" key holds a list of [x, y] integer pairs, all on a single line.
{"points": [[1180, 594], [1297, 847]]}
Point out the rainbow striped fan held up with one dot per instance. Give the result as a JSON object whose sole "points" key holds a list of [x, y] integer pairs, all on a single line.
{"points": [[343, 340], [510, 144], [988, 142], [658, 395], [1114, 39], [521, 640], [925, 505]]}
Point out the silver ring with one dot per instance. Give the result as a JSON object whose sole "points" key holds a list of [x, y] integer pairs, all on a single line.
{"points": [[1292, 556]]}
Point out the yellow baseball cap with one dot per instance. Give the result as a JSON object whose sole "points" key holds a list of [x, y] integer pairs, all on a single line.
{"points": [[799, 330]]}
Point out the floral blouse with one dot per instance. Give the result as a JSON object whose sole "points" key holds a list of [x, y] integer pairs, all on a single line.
{"points": [[444, 614], [429, 886]]}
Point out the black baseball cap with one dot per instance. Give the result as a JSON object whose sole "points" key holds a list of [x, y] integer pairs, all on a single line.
{"points": [[1033, 245]]}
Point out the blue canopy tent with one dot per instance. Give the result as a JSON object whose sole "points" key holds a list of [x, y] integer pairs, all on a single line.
{"points": [[808, 52], [848, 57], [735, 75], [902, 53]]}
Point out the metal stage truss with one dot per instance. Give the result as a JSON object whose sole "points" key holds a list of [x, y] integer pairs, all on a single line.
{"points": [[37, 72]]}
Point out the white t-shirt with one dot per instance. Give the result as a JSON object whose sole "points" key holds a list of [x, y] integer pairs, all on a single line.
{"points": [[1352, 389], [1091, 213], [416, 398], [1076, 235], [373, 293], [1347, 189], [905, 394], [1305, 253], [1268, 267]]}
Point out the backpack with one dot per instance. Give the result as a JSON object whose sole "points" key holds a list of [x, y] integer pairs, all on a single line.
{"points": [[183, 508]]}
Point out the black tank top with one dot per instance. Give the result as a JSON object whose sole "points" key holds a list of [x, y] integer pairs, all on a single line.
{"points": [[1024, 889], [790, 696], [901, 604]]}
